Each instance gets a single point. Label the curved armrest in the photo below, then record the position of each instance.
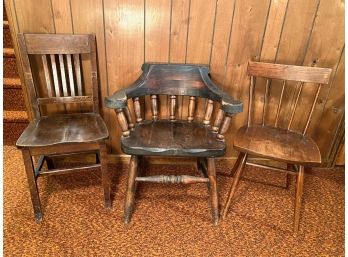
(117, 100)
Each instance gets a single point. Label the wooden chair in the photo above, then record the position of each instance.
(172, 136)
(48, 136)
(272, 141)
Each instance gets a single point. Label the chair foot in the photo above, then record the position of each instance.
(38, 217)
(213, 190)
(233, 187)
(130, 194)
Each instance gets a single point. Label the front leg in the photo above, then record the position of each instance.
(130, 194)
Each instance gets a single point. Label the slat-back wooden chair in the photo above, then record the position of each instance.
(272, 142)
(48, 136)
(172, 136)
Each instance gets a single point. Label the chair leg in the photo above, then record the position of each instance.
(236, 179)
(29, 169)
(236, 164)
(213, 190)
(130, 194)
(298, 198)
(105, 174)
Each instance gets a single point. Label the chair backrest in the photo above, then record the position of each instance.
(60, 55)
(175, 81)
(288, 74)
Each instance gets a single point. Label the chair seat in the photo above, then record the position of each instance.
(64, 129)
(276, 143)
(178, 138)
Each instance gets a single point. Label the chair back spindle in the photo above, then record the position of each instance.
(191, 108)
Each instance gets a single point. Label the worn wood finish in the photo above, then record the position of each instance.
(65, 133)
(174, 136)
(276, 143)
(129, 32)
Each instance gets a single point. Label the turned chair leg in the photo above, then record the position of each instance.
(29, 169)
(130, 194)
(103, 158)
(213, 190)
(298, 198)
(236, 179)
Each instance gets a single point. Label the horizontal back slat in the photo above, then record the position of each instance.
(289, 72)
(57, 44)
(65, 99)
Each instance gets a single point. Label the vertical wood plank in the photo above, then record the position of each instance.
(124, 39)
(200, 34)
(157, 33)
(62, 16)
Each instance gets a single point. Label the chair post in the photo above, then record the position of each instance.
(234, 184)
(298, 198)
(105, 174)
(130, 194)
(213, 190)
(29, 169)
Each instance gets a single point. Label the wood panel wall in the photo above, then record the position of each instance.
(224, 34)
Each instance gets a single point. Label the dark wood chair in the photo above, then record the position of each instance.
(48, 136)
(273, 142)
(172, 136)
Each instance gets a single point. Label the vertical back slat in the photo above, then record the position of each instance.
(78, 73)
(154, 107)
(279, 104)
(312, 109)
(62, 74)
(172, 108)
(191, 108)
(208, 111)
(71, 75)
(296, 101)
(251, 95)
(55, 75)
(137, 109)
(47, 75)
(94, 73)
(265, 98)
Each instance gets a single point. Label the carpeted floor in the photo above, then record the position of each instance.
(171, 220)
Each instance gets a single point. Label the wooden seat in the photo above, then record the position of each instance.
(59, 88)
(270, 140)
(282, 144)
(168, 138)
(172, 136)
(64, 129)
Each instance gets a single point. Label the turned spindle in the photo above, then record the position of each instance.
(128, 117)
(224, 127)
(137, 109)
(154, 107)
(208, 112)
(191, 108)
(123, 122)
(217, 123)
(172, 107)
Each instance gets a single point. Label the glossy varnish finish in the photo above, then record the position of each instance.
(174, 137)
(61, 134)
(273, 142)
